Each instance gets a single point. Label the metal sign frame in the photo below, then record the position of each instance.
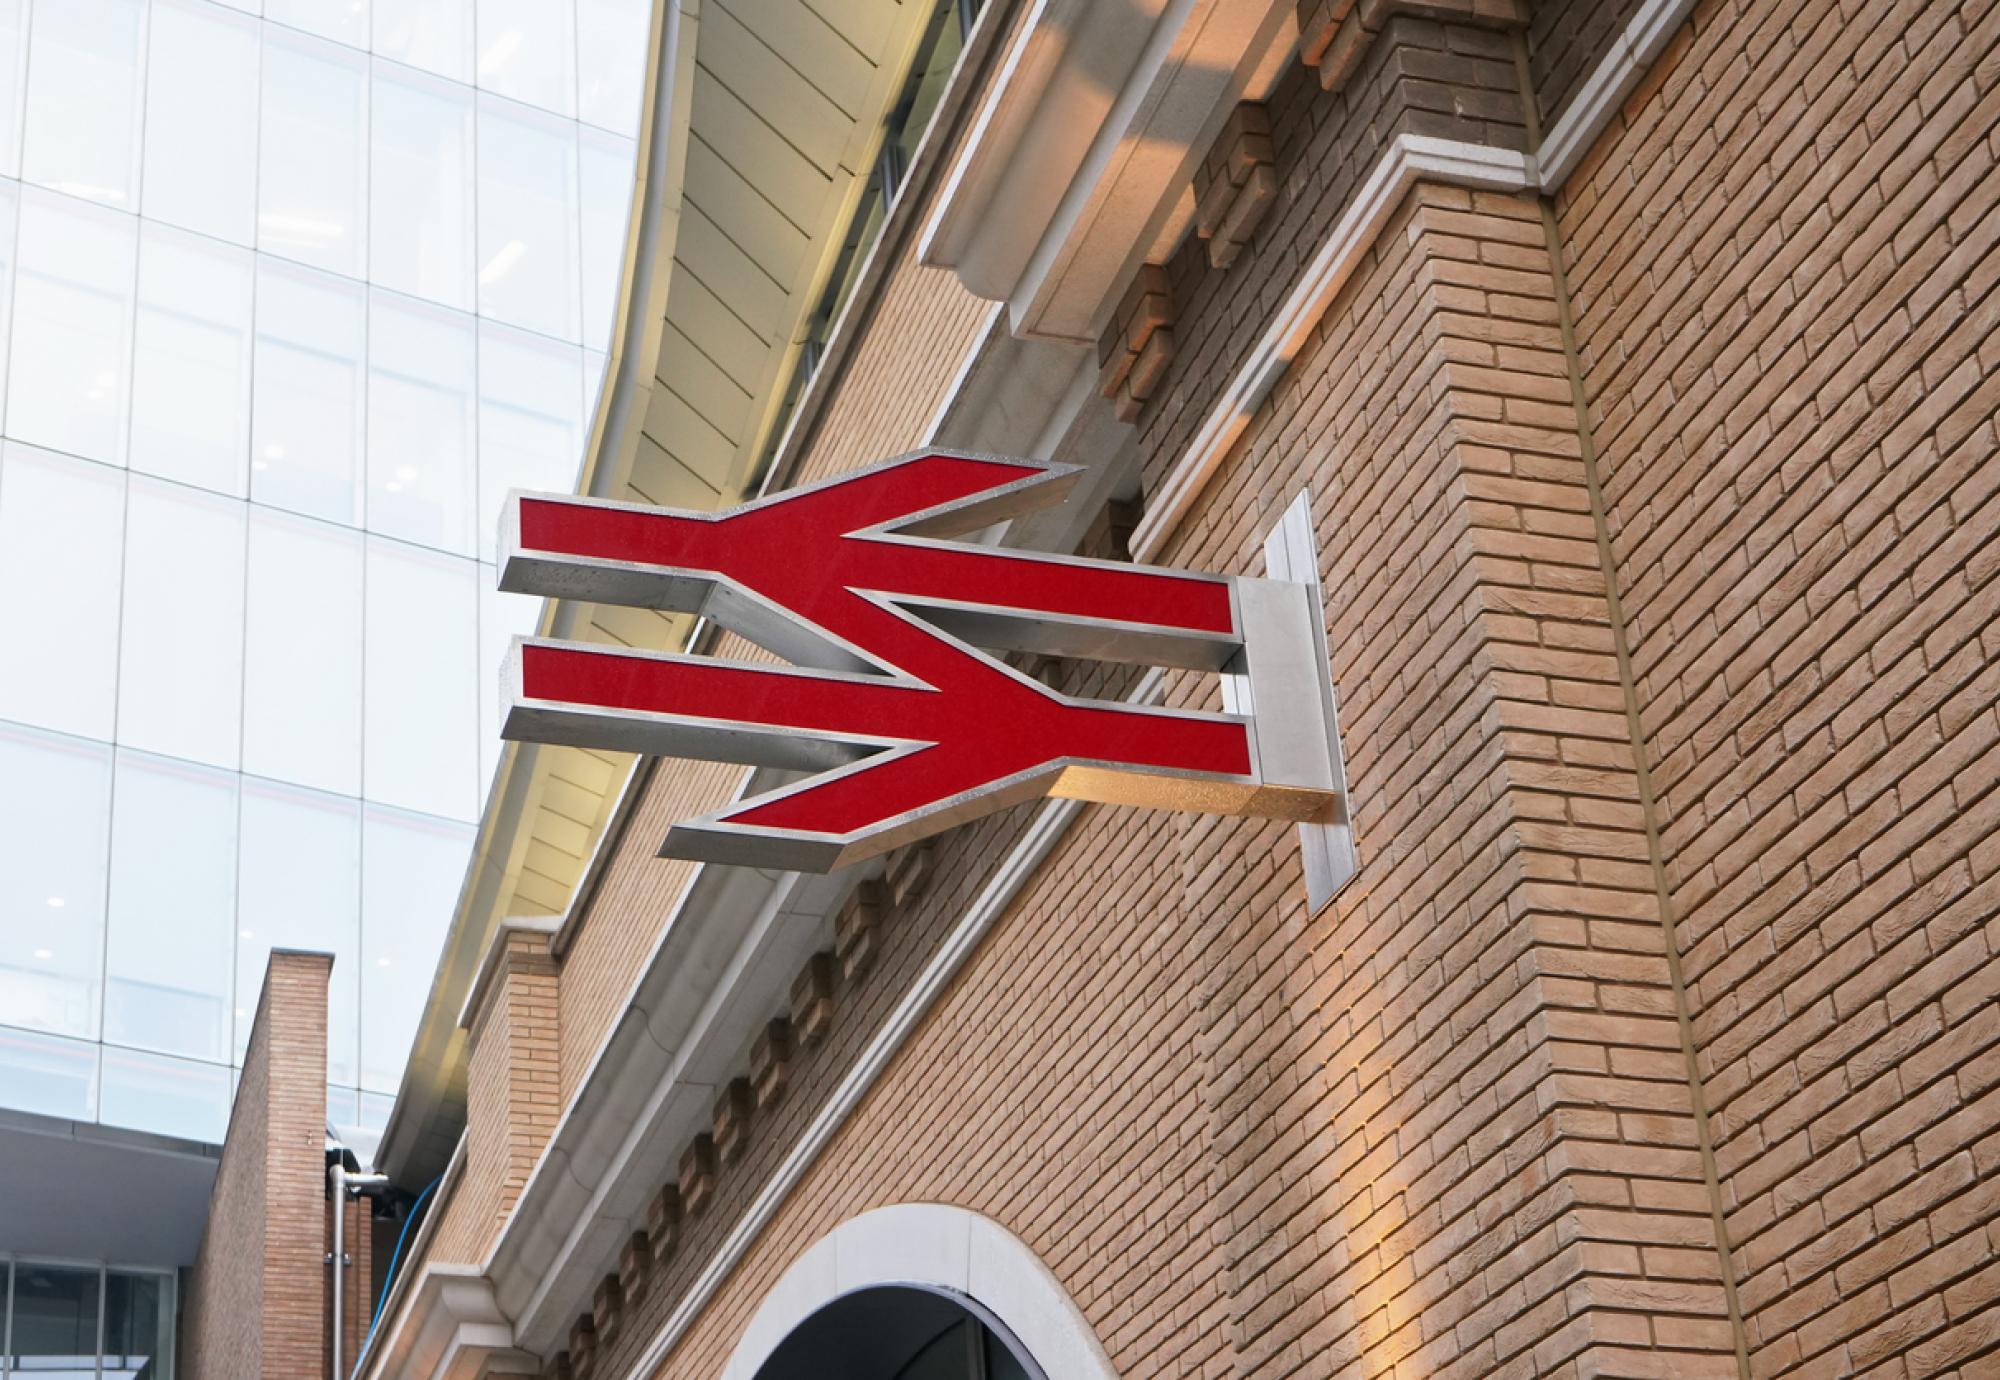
(907, 725)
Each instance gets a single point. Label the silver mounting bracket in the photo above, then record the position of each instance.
(1286, 681)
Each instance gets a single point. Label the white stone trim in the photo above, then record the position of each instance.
(1591, 109)
(1409, 158)
(939, 1248)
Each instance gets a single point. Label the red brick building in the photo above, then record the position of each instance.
(1637, 359)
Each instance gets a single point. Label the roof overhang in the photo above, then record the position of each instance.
(1081, 160)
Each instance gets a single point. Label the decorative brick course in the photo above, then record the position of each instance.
(1334, 34)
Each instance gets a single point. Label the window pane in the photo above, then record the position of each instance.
(374, 1111)
(343, 20)
(201, 120)
(48, 1074)
(313, 170)
(530, 426)
(299, 888)
(607, 202)
(302, 652)
(411, 868)
(170, 937)
(502, 618)
(191, 361)
(419, 742)
(527, 219)
(54, 822)
(527, 51)
(306, 427)
(83, 98)
(10, 215)
(435, 35)
(421, 197)
(167, 1096)
(422, 420)
(611, 39)
(72, 349)
(55, 1321)
(13, 77)
(139, 1323)
(62, 532)
(180, 661)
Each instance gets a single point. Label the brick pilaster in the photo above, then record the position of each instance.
(256, 1299)
(513, 1093)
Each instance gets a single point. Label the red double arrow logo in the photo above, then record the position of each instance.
(908, 728)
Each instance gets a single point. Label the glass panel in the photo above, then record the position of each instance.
(435, 35)
(374, 1111)
(527, 51)
(593, 383)
(13, 79)
(411, 868)
(170, 937)
(191, 361)
(422, 417)
(139, 1324)
(313, 169)
(502, 618)
(72, 348)
(55, 1321)
(343, 20)
(299, 888)
(342, 1105)
(55, 818)
(530, 431)
(302, 653)
(421, 196)
(611, 39)
(420, 749)
(169, 1097)
(180, 661)
(306, 423)
(527, 219)
(606, 180)
(48, 1074)
(10, 215)
(83, 98)
(201, 120)
(62, 531)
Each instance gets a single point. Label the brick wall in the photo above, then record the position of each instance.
(255, 1304)
(1446, 1125)
(1783, 262)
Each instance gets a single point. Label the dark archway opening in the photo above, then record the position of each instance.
(899, 1332)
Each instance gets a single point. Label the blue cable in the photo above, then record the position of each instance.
(389, 1279)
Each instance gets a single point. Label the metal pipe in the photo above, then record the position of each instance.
(337, 1175)
(342, 1183)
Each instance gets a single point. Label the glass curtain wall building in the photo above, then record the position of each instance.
(291, 294)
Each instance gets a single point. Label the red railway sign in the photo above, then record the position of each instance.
(907, 727)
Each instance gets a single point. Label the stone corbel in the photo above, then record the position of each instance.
(1138, 344)
(1236, 184)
